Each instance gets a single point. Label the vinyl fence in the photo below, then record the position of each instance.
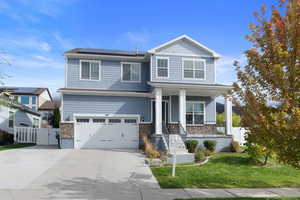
(39, 136)
(238, 133)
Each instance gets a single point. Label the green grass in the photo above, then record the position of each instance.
(15, 146)
(248, 198)
(229, 171)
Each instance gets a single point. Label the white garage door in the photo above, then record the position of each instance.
(106, 133)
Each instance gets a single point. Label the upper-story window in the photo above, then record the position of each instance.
(131, 72)
(162, 65)
(25, 100)
(193, 68)
(29, 101)
(89, 70)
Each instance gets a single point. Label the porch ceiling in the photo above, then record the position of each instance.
(192, 89)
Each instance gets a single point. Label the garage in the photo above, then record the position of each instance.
(106, 132)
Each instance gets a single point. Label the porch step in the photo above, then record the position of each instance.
(176, 144)
(181, 157)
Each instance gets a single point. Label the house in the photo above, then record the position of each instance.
(113, 97)
(14, 114)
(37, 99)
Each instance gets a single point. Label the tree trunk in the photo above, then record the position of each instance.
(267, 158)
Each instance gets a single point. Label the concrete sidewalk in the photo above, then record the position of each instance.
(115, 193)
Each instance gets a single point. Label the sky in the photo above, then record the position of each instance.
(35, 33)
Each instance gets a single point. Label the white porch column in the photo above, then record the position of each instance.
(228, 115)
(182, 108)
(158, 111)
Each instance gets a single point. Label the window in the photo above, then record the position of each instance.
(162, 65)
(36, 123)
(131, 72)
(130, 121)
(114, 121)
(80, 120)
(11, 119)
(90, 70)
(195, 113)
(99, 121)
(25, 100)
(194, 68)
(33, 100)
(33, 108)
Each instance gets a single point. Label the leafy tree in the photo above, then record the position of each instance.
(236, 119)
(268, 87)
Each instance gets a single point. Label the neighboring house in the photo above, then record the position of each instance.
(113, 97)
(13, 114)
(37, 99)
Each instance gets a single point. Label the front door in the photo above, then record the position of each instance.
(164, 113)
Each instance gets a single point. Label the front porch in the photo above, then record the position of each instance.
(189, 109)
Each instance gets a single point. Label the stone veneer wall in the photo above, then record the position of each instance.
(67, 130)
(206, 129)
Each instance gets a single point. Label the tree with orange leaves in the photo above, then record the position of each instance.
(268, 87)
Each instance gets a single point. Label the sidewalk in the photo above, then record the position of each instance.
(170, 194)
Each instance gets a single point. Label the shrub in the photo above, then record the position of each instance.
(199, 156)
(149, 149)
(6, 138)
(191, 145)
(236, 147)
(257, 152)
(210, 145)
(208, 153)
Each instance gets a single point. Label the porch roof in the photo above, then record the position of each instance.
(193, 89)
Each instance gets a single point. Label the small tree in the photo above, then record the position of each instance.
(236, 119)
(56, 118)
(268, 88)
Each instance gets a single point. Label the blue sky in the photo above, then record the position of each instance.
(35, 33)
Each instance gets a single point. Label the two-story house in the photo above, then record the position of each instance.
(112, 97)
(37, 99)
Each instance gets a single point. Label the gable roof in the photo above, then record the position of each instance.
(24, 90)
(215, 54)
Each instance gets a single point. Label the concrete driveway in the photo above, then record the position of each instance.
(45, 173)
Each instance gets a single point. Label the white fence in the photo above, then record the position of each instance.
(39, 136)
(238, 134)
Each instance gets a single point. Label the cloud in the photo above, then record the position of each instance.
(26, 43)
(33, 62)
(65, 43)
(137, 37)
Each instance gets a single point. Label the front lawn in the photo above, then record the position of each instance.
(229, 171)
(248, 198)
(14, 146)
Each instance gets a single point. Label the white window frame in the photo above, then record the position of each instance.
(35, 120)
(80, 70)
(204, 117)
(165, 58)
(130, 63)
(193, 59)
(14, 118)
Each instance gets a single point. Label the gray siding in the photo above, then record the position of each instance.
(110, 77)
(184, 47)
(210, 107)
(176, 70)
(105, 105)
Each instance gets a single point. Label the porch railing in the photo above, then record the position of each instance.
(165, 136)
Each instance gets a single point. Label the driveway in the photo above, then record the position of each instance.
(47, 173)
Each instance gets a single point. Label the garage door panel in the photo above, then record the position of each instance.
(115, 133)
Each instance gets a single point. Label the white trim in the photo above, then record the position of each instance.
(153, 50)
(156, 66)
(90, 61)
(215, 71)
(204, 110)
(66, 72)
(82, 91)
(140, 73)
(193, 59)
(151, 63)
(62, 108)
(92, 115)
(182, 85)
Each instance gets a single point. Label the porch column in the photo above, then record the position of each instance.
(228, 115)
(158, 111)
(182, 108)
